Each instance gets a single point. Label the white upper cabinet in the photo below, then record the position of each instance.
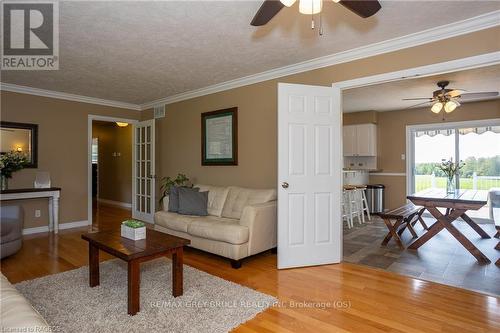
(360, 140)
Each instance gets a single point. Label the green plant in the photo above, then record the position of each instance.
(133, 224)
(168, 182)
(11, 162)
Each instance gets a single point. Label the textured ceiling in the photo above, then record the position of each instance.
(388, 96)
(137, 52)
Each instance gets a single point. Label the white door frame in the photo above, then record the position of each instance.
(91, 118)
(478, 61)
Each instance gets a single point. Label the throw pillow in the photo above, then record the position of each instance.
(192, 202)
(173, 198)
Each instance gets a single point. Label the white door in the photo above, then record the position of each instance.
(309, 175)
(143, 199)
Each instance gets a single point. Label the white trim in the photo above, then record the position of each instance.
(69, 97)
(487, 59)
(115, 203)
(90, 118)
(62, 226)
(397, 174)
(454, 29)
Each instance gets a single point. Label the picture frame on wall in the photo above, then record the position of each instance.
(219, 137)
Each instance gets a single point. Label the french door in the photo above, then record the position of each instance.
(143, 186)
(309, 175)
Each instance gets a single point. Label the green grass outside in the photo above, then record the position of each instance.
(424, 181)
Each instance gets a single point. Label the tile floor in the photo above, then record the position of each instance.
(442, 259)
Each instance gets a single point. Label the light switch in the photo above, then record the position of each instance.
(38, 213)
(403, 157)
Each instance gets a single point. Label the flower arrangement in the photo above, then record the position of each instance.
(450, 169)
(11, 162)
(133, 229)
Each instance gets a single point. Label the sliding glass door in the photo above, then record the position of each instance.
(476, 143)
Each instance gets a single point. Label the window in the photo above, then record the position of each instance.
(476, 143)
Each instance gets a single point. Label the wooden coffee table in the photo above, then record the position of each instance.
(156, 244)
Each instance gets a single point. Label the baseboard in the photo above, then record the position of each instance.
(115, 203)
(62, 226)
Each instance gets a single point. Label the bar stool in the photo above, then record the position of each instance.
(346, 214)
(361, 189)
(353, 204)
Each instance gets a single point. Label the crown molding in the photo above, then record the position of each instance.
(450, 30)
(69, 97)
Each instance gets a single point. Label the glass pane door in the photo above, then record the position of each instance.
(430, 148)
(144, 181)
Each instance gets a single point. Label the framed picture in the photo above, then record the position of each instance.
(20, 137)
(219, 137)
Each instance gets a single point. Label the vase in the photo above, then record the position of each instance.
(451, 185)
(4, 182)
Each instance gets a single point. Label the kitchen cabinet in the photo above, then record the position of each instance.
(360, 140)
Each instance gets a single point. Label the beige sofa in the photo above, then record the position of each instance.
(17, 314)
(241, 222)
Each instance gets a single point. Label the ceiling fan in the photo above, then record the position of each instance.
(363, 8)
(449, 99)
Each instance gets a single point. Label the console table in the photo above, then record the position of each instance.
(53, 193)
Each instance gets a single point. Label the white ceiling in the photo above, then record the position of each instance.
(137, 52)
(388, 96)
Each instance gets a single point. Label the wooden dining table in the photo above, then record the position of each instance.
(456, 205)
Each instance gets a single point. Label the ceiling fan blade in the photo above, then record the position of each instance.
(417, 99)
(412, 106)
(363, 8)
(455, 92)
(478, 95)
(266, 12)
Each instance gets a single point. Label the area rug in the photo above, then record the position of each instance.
(209, 303)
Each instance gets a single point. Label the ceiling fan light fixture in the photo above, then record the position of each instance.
(437, 107)
(288, 3)
(310, 7)
(451, 105)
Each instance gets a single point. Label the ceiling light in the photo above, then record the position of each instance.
(336, 1)
(310, 7)
(451, 105)
(436, 107)
(121, 124)
(288, 3)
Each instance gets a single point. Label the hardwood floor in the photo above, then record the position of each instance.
(361, 299)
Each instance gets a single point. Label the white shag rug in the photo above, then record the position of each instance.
(209, 303)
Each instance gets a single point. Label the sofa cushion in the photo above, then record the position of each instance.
(173, 200)
(17, 314)
(219, 229)
(192, 202)
(239, 197)
(173, 221)
(216, 197)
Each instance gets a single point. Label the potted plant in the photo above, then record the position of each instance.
(133, 229)
(11, 162)
(451, 170)
(168, 182)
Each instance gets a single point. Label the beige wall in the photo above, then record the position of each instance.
(391, 138)
(62, 149)
(179, 133)
(114, 172)
(63, 124)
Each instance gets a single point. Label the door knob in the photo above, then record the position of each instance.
(284, 185)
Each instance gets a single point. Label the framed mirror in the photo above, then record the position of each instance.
(20, 137)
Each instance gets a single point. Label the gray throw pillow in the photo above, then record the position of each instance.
(192, 202)
(173, 198)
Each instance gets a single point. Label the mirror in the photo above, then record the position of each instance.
(20, 137)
